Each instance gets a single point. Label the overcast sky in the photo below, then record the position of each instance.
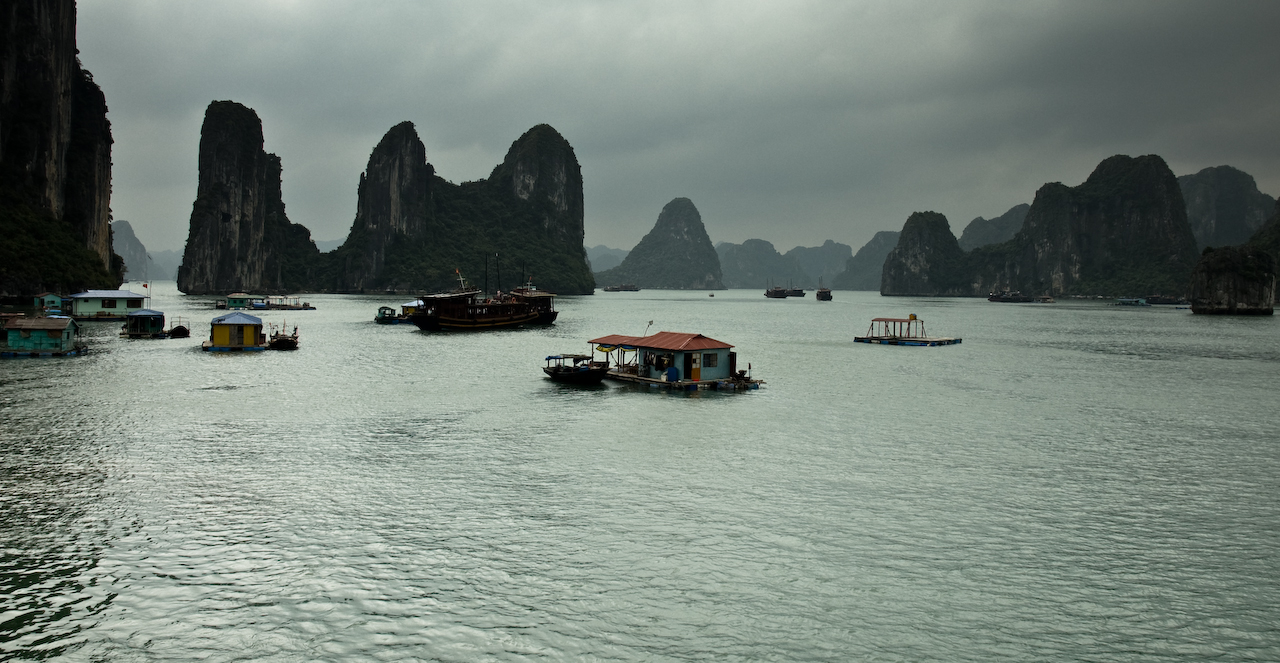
(793, 122)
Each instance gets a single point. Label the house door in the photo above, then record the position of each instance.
(695, 371)
(242, 334)
(688, 365)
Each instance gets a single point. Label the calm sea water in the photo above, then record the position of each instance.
(1074, 482)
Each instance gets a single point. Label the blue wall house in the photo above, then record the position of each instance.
(105, 304)
(36, 337)
(49, 301)
(675, 356)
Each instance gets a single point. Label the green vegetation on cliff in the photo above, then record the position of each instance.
(676, 254)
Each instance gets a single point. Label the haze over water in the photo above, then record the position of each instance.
(1075, 481)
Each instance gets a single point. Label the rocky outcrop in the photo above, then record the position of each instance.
(819, 264)
(55, 157)
(393, 203)
(1123, 232)
(603, 257)
(676, 255)
(1234, 280)
(756, 264)
(863, 270)
(240, 238)
(926, 261)
(413, 229)
(1239, 280)
(127, 245)
(1224, 206)
(981, 232)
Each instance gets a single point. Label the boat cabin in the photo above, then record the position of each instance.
(242, 300)
(144, 324)
(235, 332)
(105, 304)
(42, 336)
(672, 356)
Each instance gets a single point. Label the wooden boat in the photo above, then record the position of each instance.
(181, 328)
(282, 341)
(902, 331)
(1005, 296)
(466, 309)
(542, 301)
(795, 292)
(824, 293)
(575, 369)
(1132, 301)
(625, 287)
(777, 292)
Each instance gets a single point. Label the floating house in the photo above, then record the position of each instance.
(42, 337)
(235, 332)
(105, 304)
(144, 324)
(48, 301)
(674, 359)
(241, 300)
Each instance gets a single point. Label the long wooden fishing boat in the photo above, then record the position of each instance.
(575, 369)
(467, 309)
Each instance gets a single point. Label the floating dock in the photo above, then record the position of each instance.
(902, 331)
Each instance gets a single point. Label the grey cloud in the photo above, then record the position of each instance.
(792, 122)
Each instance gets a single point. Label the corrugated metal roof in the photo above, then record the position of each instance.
(107, 294)
(146, 313)
(237, 318)
(37, 323)
(665, 341)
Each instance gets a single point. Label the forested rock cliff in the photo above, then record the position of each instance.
(55, 157)
(981, 232)
(863, 270)
(1234, 280)
(130, 249)
(756, 264)
(1122, 232)
(676, 255)
(413, 229)
(926, 261)
(1239, 280)
(1224, 206)
(240, 238)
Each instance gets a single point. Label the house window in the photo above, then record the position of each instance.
(108, 303)
(710, 360)
(133, 303)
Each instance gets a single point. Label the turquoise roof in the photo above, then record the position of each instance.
(146, 313)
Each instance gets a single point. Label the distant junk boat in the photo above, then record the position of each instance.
(902, 331)
(625, 287)
(777, 292)
(824, 293)
(1007, 296)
